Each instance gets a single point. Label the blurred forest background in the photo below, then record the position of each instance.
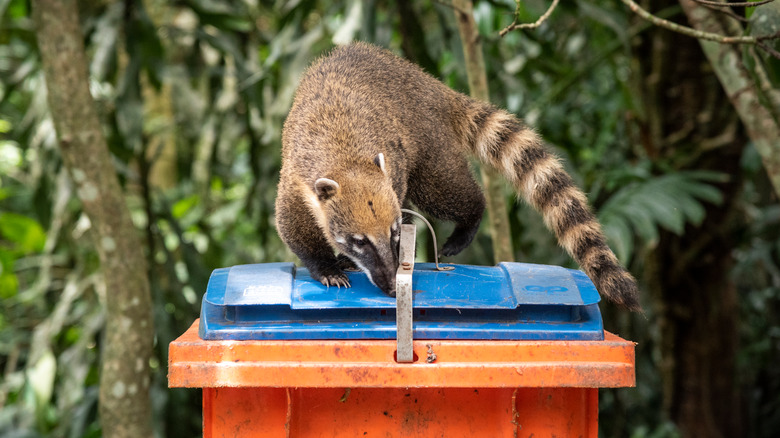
(191, 96)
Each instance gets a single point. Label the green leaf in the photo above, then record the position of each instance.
(705, 192)
(669, 202)
(26, 233)
(181, 207)
(16, 9)
(643, 224)
(664, 207)
(9, 284)
(221, 15)
(620, 237)
(40, 377)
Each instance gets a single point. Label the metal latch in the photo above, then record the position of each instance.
(403, 295)
(403, 287)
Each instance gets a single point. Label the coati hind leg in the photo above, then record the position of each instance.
(449, 192)
(299, 230)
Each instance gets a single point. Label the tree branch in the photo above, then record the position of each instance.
(533, 25)
(735, 4)
(702, 35)
(728, 12)
(768, 49)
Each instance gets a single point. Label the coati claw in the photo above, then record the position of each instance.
(337, 280)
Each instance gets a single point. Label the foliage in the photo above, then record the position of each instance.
(193, 96)
(759, 308)
(643, 207)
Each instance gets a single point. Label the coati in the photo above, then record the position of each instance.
(369, 132)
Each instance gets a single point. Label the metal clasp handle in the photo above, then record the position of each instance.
(403, 295)
(433, 236)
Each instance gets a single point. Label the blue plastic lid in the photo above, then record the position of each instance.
(508, 301)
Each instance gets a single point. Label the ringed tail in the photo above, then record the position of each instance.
(501, 140)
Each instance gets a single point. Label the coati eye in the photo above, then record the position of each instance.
(359, 240)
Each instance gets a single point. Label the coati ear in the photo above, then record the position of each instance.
(379, 160)
(325, 188)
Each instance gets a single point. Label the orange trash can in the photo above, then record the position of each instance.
(311, 362)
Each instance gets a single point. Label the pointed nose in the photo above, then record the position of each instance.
(385, 279)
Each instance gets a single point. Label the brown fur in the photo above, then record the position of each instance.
(361, 101)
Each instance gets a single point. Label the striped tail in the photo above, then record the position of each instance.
(502, 141)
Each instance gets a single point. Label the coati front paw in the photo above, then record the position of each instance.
(333, 277)
(336, 280)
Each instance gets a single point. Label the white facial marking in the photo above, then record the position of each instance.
(340, 239)
(363, 268)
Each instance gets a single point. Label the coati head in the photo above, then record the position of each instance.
(361, 217)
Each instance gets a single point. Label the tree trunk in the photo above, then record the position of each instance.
(494, 187)
(125, 409)
(160, 152)
(690, 124)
